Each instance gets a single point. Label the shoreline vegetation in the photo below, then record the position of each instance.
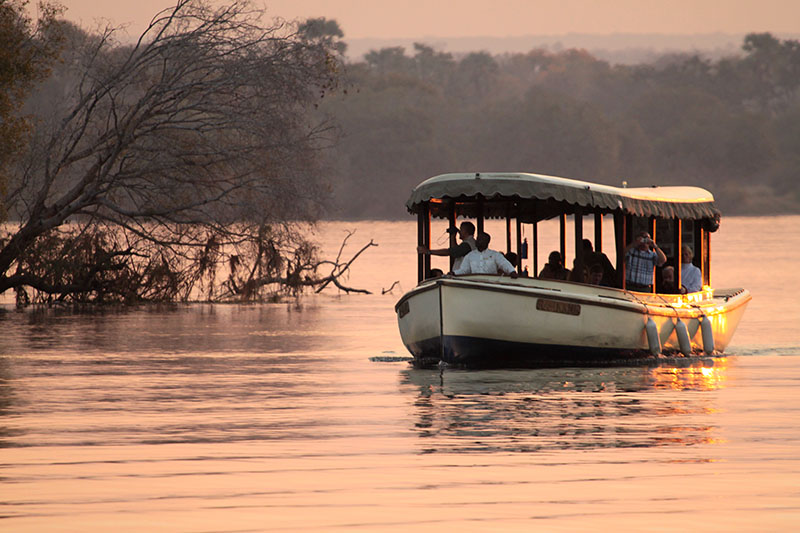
(138, 171)
(729, 124)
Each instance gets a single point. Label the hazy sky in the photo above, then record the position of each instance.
(499, 18)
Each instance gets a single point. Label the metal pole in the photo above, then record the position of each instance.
(653, 235)
(579, 276)
(508, 231)
(535, 254)
(421, 242)
(452, 217)
(678, 245)
(519, 244)
(598, 232)
(427, 237)
(480, 215)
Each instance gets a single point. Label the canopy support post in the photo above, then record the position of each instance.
(562, 219)
(479, 220)
(424, 240)
(535, 238)
(508, 231)
(519, 245)
(452, 218)
(579, 276)
(652, 226)
(706, 235)
(598, 231)
(678, 240)
(621, 227)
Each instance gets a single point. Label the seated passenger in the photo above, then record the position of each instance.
(691, 277)
(590, 258)
(596, 275)
(554, 269)
(435, 273)
(579, 274)
(668, 282)
(485, 261)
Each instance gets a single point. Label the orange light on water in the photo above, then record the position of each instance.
(706, 378)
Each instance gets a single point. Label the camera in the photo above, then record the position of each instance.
(452, 231)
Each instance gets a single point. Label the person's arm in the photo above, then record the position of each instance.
(463, 269)
(662, 257)
(438, 251)
(633, 244)
(504, 264)
(459, 250)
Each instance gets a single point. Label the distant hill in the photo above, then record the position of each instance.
(622, 48)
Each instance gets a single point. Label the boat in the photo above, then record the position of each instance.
(499, 321)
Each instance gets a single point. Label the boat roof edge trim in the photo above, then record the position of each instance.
(665, 202)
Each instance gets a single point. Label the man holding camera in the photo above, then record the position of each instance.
(641, 257)
(467, 234)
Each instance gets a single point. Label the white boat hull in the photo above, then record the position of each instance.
(494, 321)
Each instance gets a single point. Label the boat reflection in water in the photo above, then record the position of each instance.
(580, 408)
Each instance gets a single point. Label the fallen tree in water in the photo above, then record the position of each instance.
(81, 264)
(151, 165)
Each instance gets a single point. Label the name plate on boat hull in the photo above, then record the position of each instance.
(555, 306)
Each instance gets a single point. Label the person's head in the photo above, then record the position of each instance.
(596, 274)
(482, 241)
(436, 273)
(512, 258)
(467, 229)
(554, 259)
(668, 275)
(643, 240)
(686, 254)
(587, 245)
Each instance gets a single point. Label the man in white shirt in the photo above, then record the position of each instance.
(691, 277)
(485, 261)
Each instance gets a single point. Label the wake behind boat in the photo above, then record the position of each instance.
(490, 320)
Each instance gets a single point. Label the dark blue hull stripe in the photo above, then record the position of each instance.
(472, 352)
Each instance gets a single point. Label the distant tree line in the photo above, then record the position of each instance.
(730, 125)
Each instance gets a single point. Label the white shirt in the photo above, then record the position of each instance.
(691, 277)
(485, 262)
(458, 260)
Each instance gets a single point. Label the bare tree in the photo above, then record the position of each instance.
(188, 150)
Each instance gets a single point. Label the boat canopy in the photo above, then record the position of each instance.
(535, 197)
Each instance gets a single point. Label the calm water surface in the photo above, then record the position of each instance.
(299, 417)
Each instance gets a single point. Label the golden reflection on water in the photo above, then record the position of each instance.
(700, 377)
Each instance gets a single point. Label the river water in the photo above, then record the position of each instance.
(303, 416)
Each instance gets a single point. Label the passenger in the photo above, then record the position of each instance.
(591, 258)
(512, 258)
(554, 269)
(691, 277)
(459, 251)
(596, 274)
(668, 282)
(485, 261)
(579, 274)
(435, 273)
(641, 256)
